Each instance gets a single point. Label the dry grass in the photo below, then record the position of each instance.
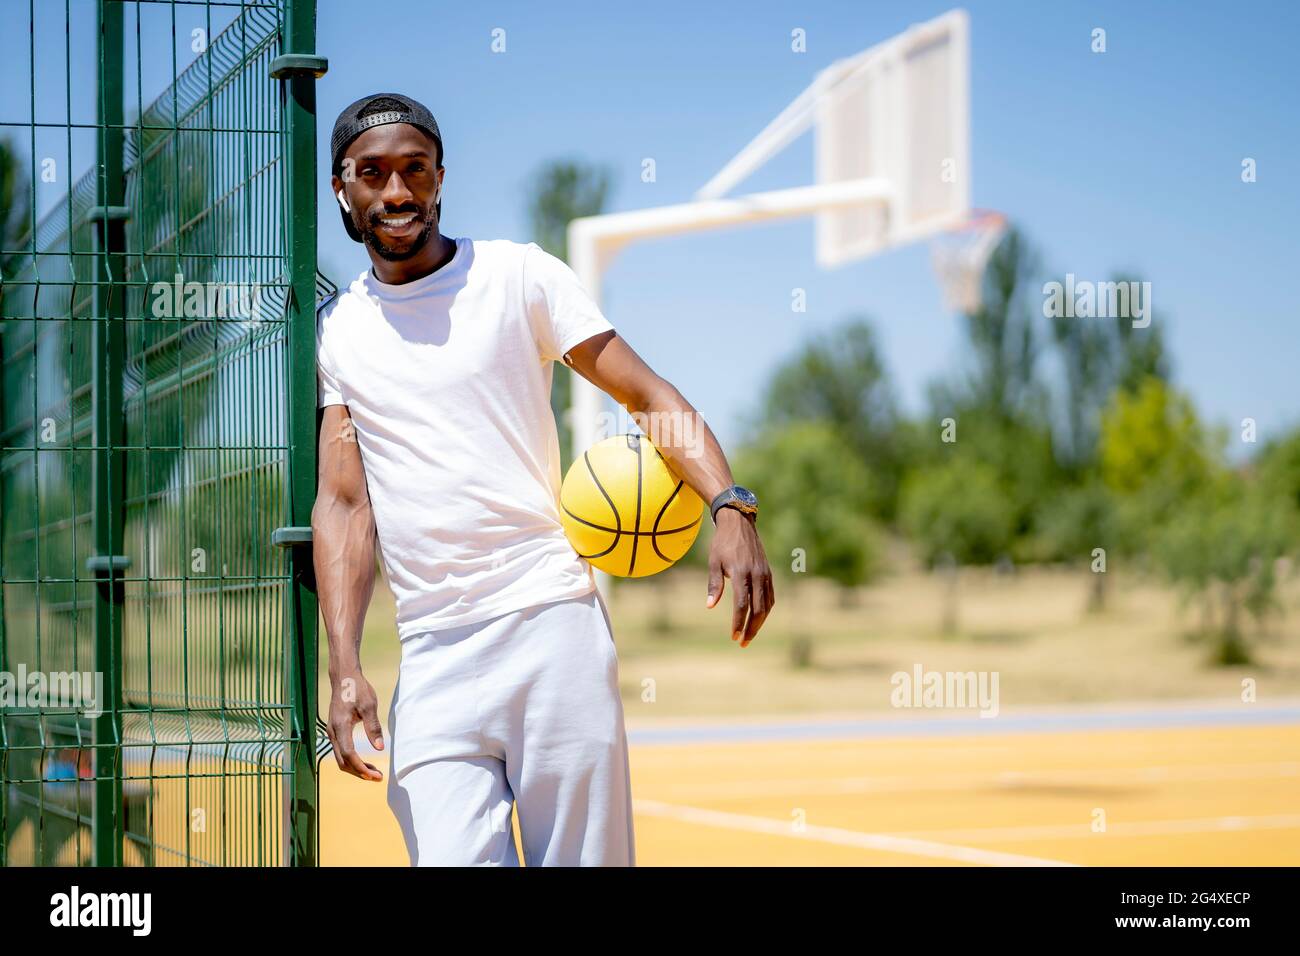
(677, 659)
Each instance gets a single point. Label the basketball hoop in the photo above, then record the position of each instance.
(959, 256)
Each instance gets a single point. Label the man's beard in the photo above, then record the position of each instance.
(371, 237)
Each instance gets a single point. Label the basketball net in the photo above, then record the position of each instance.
(960, 255)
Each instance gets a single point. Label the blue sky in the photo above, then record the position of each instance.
(1124, 160)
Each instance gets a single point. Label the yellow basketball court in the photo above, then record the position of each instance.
(1096, 787)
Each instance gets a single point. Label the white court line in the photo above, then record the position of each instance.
(1002, 779)
(836, 835)
(1074, 831)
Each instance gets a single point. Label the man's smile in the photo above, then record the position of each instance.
(399, 224)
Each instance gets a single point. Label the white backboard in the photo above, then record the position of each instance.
(899, 111)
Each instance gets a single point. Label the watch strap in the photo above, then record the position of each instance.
(725, 498)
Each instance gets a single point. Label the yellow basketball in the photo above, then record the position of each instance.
(626, 511)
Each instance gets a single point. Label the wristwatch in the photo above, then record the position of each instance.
(742, 499)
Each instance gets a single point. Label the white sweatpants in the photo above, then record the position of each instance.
(522, 709)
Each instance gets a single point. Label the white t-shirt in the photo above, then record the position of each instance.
(448, 383)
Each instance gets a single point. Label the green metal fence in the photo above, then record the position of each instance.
(157, 440)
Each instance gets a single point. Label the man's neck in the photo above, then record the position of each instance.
(399, 273)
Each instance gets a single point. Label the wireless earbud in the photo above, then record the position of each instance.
(343, 202)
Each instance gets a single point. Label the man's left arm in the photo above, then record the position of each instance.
(686, 441)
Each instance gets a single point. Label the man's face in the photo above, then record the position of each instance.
(392, 193)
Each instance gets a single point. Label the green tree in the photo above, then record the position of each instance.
(815, 515)
(1154, 456)
(1223, 549)
(839, 379)
(1001, 380)
(1018, 453)
(997, 403)
(1278, 465)
(957, 513)
(1141, 351)
(564, 190)
(15, 209)
(1098, 356)
(1077, 522)
(957, 509)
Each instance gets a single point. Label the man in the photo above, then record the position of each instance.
(437, 437)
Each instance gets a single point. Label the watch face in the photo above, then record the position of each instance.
(746, 496)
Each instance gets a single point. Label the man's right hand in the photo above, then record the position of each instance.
(353, 699)
(343, 556)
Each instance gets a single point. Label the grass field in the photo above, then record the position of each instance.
(1029, 627)
(1097, 755)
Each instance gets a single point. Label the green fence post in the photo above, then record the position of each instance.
(4, 632)
(298, 69)
(110, 436)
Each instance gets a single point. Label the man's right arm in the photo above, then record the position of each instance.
(343, 555)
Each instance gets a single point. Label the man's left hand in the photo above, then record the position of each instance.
(737, 553)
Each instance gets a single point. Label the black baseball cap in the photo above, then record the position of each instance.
(378, 109)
